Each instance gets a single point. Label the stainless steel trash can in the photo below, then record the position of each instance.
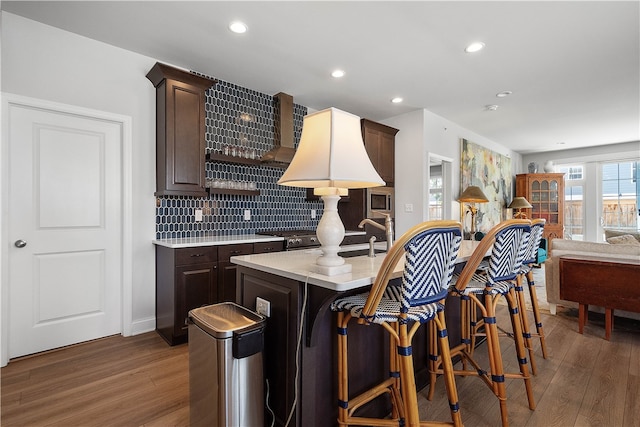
(225, 366)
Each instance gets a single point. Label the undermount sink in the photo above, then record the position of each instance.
(360, 252)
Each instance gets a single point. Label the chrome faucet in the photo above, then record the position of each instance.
(387, 227)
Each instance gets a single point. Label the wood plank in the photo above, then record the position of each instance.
(141, 381)
(604, 398)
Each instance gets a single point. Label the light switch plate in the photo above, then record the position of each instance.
(313, 214)
(408, 207)
(247, 215)
(198, 214)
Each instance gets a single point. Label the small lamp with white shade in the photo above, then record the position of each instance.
(331, 158)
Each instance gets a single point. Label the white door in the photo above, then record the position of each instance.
(64, 228)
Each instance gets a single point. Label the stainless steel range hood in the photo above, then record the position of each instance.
(283, 150)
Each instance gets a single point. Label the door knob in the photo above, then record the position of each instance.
(20, 243)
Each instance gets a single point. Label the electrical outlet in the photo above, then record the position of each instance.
(408, 207)
(198, 214)
(263, 307)
(313, 214)
(247, 215)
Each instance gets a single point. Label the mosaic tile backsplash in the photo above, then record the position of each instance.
(244, 119)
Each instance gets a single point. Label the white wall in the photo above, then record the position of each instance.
(423, 133)
(43, 62)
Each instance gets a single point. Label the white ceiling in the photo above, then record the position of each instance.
(573, 66)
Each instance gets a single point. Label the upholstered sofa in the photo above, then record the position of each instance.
(561, 247)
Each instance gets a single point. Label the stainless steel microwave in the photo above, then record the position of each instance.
(380, 200)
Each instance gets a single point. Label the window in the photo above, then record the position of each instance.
(572, 173)
(574, 181)
(620, 195)
(435, 198)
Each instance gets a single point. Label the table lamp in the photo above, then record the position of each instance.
(331, 158)
(520, 203)
(472, 195)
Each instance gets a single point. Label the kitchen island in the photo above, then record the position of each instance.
(300, 338)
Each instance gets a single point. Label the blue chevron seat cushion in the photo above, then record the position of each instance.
(478, 283)
(389, 308)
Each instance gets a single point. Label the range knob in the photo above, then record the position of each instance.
(295, 242)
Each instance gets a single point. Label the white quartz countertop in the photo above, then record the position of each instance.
(298, 265)
(191, 242)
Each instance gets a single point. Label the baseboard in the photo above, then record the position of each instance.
(142, 326)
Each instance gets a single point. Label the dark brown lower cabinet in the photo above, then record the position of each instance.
(186, 278)
(227, 274)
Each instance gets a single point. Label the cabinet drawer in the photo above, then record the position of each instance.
(199, 255)
(227, 251)
(264, 247)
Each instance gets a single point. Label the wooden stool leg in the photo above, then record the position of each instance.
(343, 374)
(536, 312)
(524, 320)
(434, 358)
(397, 410)
(495, 359)
(447, 367)
(407, 382)
(520, 350)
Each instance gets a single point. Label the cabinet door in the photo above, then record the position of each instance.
(280, 334)
(195, 287)
(180, 131)
(227, 275)
(373, 144)
(379, 140)
(386, 158)
(185, 145)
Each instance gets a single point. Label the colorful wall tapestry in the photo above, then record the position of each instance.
(491, 172)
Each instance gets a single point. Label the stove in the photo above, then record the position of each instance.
(295, 239)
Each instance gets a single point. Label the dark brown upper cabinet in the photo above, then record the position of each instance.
(180, 130)
(379, 141)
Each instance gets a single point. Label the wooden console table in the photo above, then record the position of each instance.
(604, 282)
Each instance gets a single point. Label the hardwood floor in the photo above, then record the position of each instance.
(141, 381)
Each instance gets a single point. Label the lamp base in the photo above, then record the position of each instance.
(330, 233)
(331, 270)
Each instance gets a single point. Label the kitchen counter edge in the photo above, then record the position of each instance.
(192, 242)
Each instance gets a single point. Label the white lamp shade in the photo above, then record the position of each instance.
(331, 153)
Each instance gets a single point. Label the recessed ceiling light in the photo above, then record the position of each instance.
(491, 107)
(504, 94)
(238, 27)
(474, 47)
(397, 100)
(337, 74)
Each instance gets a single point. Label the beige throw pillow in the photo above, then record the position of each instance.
(625, 239)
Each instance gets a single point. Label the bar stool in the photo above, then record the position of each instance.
(526, 272)
(506, 243)
(430, 250)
